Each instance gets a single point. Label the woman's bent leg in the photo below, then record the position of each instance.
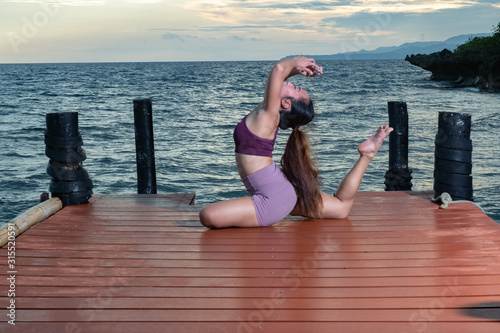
(238, 212)
(340, 205)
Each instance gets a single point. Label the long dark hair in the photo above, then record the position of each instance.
(297, 163)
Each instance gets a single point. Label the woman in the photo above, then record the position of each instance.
(275, 193)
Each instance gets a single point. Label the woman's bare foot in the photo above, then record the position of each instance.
(370, 147)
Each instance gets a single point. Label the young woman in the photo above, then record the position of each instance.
(293, 189)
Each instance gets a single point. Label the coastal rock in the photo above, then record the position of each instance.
(472, 69)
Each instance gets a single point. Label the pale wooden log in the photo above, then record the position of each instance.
(29, 218)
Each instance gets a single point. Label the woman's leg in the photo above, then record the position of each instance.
(238, 212)
(340, 205)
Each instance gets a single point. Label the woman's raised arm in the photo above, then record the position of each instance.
(282, 71)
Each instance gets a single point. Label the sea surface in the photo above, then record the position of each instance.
(195, 108)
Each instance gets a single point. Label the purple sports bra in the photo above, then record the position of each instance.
(250, 144)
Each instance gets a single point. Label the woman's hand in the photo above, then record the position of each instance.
(306, 67)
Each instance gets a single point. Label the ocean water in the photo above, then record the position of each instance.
(197, 104)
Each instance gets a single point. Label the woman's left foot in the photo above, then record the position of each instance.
(370, 147)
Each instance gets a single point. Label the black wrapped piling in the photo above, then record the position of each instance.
(453, 156)
(398, 177)
(70, 181)
(144, 144)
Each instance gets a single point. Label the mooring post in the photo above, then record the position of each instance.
(144, 145)
(398, 177)
(70, 181)
(453, 156)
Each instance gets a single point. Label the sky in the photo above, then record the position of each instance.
(34, 31)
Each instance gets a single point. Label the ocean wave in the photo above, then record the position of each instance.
(48, 93)
(8, 106)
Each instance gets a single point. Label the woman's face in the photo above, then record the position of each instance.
(289, 90)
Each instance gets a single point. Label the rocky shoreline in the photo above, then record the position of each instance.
(474, 68)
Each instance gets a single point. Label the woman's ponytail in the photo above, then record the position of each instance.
(300, 170)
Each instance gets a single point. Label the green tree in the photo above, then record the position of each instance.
(482, 45)
(496, 29)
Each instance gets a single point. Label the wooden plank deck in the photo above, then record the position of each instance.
(142, 263)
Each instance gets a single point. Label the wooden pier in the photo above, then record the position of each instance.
(143, 263)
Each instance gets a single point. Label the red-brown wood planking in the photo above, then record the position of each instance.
(144, 263)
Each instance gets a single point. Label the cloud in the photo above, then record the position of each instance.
(81, 2)
(171, 36)
(62, 2)
(316, 17)
(229, 10)
(143, 1)
(176, 37)
(320, 20)
(239, 28)
(236, 35)
(244, 39)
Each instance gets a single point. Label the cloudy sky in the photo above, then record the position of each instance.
(191, 30)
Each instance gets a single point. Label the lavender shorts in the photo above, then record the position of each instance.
(272, 194)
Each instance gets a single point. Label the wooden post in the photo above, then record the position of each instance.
(70, 181)
(453, 156)
(398, 177)
(144, 144)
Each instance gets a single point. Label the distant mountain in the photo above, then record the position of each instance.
(400, 52)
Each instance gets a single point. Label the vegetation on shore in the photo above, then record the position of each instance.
(488, 45)
(474, 63)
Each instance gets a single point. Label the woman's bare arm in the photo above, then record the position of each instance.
(281, 71)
